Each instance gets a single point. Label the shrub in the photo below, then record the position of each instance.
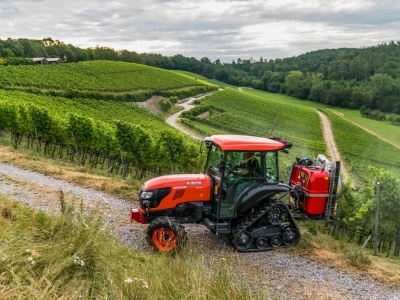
(173, 99)
(165, 105)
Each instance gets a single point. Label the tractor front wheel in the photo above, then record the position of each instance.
(166, 235)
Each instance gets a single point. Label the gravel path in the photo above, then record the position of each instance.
(186, 104)
(289, 276)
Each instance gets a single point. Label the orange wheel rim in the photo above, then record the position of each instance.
(164, 239)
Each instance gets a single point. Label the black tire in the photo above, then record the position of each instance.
(166, 235)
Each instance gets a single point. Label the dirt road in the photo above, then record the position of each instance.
(331, 148)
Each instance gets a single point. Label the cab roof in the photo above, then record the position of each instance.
(247, 143)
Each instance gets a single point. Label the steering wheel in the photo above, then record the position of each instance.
(233, 166)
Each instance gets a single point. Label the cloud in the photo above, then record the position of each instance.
(214, 28)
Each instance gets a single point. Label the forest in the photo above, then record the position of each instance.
(347, 77)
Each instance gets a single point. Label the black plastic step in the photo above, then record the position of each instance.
(209, 224)
(223, 228)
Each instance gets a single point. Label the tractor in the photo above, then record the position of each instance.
(239, 194)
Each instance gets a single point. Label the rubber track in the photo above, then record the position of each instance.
(255, 215)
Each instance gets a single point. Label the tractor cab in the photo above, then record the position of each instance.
(238, 169)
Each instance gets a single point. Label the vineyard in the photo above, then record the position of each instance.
(102, 80)
(236, 112)
(115, 136)
(361, 149)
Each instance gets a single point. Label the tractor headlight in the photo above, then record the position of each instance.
(146, 195)
(152, 198)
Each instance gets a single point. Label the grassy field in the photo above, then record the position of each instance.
(240, 113)
(73, 256)
(360, 149)
(385, 130)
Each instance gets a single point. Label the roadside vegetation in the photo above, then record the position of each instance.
(74, 256)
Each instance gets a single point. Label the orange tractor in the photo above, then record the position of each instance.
(239, 194)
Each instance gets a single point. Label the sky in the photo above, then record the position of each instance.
(217, 29)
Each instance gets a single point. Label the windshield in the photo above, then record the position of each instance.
(213, 163)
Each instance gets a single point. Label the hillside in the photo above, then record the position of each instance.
(345, 77)
(83, 139)
(102, 80)
(80, 126)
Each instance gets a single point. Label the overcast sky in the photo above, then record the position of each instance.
(206, 28)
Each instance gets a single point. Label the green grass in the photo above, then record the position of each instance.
(242, 113)
(73, 256)
(383, 129)
(361, 149)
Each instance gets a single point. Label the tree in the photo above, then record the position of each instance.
(365, 111)
(297, 85)
(382, 87)
(318, 90)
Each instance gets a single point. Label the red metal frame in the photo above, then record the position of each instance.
(137, 216)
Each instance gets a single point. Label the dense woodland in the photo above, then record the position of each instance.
(346, 77)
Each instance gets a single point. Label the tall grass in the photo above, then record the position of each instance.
(74, 256)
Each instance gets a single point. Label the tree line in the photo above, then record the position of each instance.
(345, 77)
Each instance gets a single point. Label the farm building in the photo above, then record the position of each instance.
(48, 61)
(55, 61)
(40, 60)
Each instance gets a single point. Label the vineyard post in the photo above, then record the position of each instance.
(336, 227)
(170, 157)
(397, 243)
(376, 217)
(76, 149)
(122, 162)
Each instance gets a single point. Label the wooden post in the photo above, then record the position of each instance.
(376, 218)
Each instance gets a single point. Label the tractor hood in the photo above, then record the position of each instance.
(179, 181)
(166, 192)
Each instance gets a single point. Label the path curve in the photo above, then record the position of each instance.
(187, 104)
(331, 148)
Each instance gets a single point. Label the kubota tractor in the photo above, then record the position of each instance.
(239, 194)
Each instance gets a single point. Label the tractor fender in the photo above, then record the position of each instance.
(255, 194)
